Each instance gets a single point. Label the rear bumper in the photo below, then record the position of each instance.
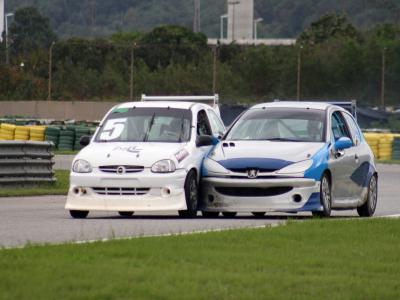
(136, 192)
(285, 195)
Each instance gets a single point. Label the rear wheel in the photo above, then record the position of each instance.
(229, 214)
(259, 214)
(325, 198)
(78, 214)
(191, 195)
(210, 214)
(368, 208)
(126, 213)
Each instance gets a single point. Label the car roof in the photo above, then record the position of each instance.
(294, 104)
(160, 104)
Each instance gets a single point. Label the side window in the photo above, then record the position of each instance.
(216, 124)
(203, 124)
(339, 128)
(355, 132)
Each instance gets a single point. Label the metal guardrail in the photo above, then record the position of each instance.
(26, 162)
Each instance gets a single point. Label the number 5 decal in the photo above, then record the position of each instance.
(113, 129)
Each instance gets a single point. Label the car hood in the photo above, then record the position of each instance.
(262, 154)
(139, 154)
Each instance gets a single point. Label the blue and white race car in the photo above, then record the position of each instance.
(291, 157)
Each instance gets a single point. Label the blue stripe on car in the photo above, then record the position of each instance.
(320, 164)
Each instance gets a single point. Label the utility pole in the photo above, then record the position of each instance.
(215, 54)
(299, 74)
(383, 78)
(7, 39)
(50, 71)
(233, 4)
(132, 71)
(196, 20)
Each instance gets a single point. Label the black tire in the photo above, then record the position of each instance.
(210, 214)
(229, 214)
(368, 208)
(126, 213)
(325, 198)
(78, 214)
(258, 214)
(191, 195)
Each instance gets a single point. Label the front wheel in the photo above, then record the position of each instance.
(368, 208)
(191, 195)
(325, 198)
(78, 214)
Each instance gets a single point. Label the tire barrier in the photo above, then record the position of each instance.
(386, 146)
(37, 133)
(26, 162)
(67, 138)
(7, 131)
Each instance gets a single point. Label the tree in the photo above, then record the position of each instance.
(328, 27)
(30, 31)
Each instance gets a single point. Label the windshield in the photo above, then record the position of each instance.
(168, 125)
(279, 124)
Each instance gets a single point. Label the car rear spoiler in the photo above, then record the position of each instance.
(350, 106)
(209, 100)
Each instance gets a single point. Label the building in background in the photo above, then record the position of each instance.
(240, 19)
(1, 19)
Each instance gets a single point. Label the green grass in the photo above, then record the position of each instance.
(66, 152)
(58, 188)
(390, 162)
(318, 259)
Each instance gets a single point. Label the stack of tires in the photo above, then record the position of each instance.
(373, 142)
(52, 134)
(37, 133)
(67, 138)
(7, 132)
(396, 148)
(385, 146)
(22, 133)
(80, 132)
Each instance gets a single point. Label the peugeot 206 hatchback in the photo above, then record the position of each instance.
(291, 157)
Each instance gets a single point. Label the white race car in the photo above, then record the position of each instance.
(145, 156)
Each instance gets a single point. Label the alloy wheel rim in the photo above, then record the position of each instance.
(373, 192)
(326, 193)
(193, 193)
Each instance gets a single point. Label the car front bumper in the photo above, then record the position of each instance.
(143, 191)
(275, 194)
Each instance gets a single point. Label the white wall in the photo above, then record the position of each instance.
(240, 19)
(1, 19)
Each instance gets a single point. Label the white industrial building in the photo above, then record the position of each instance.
(1, 19)
(240, 19)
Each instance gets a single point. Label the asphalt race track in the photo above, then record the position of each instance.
(44, 220)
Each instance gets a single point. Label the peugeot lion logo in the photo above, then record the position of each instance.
(121, 170)
(253, 173)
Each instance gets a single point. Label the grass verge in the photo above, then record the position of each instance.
(389, 162)
(58, 188)
(318, 259)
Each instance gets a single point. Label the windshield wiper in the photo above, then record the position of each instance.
(182, 127)
(146, 136)
(283, 140)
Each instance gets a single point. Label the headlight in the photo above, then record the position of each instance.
(297, 168)
(82, 166)
(212, 167)
(163, 166)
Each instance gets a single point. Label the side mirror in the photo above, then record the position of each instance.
(84, 140)
(343, 143)
(204, 140)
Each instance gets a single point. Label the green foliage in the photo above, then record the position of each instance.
(30, 31)
(330, 26)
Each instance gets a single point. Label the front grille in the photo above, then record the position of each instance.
(127, 169)
(245, 170)
(253, 191)
(116, 191)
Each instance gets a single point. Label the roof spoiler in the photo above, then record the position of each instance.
(210, 100)
(350, 106)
